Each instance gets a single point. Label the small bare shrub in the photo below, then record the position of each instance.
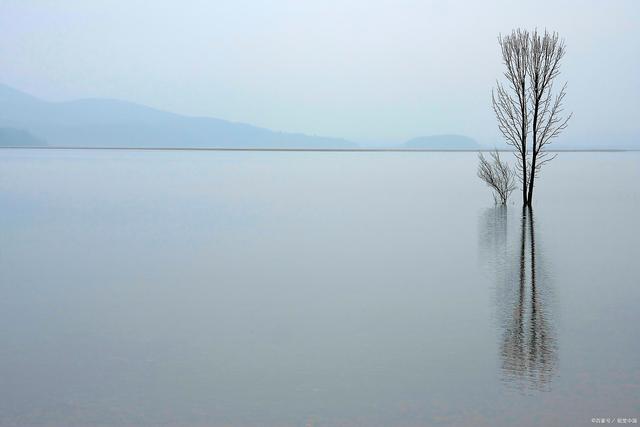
(497, 175)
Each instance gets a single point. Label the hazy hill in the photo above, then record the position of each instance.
(443, 142)
(10, 137)
(112, 123)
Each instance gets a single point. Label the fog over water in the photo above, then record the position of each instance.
(286, 289)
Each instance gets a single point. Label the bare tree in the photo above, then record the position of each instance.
(510, 101)
(497, 175)
(543, 66)
(528, 103)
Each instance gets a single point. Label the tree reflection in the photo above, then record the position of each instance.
(528, 345)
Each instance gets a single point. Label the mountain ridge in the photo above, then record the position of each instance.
(110, 122)
(114, 123)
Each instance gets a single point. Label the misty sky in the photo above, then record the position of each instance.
(366, 70)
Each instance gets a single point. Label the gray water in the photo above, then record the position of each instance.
(314, 289)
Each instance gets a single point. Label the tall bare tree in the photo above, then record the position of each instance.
(528, 103)
(543, 66)
(510, 101)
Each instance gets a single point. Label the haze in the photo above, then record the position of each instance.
(377, 72)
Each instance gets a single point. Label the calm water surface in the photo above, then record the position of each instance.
(314, 289)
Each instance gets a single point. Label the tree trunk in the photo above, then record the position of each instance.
(525, 194)
(531, 182)
(523, 112)
(534, 148)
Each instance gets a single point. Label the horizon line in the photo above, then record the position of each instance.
(349, 150)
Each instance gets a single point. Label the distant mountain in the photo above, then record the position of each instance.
(443, 142)
(112, 123)
(10, 137)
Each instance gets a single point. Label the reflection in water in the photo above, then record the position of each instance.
(528, 346)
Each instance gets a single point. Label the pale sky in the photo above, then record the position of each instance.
(366, 70)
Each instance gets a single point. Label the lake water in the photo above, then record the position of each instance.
(314, 289)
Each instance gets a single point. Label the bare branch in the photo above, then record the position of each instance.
(548, 122)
